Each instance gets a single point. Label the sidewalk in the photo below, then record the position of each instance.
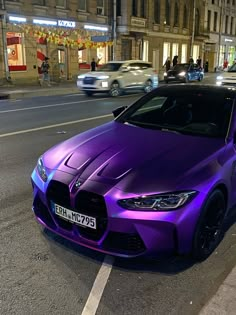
(224, 301)
(18, 92)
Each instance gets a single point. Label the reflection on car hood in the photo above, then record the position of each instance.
(133, 159)
(96, 74)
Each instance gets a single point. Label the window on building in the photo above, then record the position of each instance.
(213, 1)
(61, 3)
(102, 55)
(166, 52)
(100, 7)
(197, 22)
(143, 8)
(175, 50)
(118, 7)
(145, 50)
(157, 11)
(228, 1)
(82, 56)
(16, 51)
(82, 5)
(134, 8)
(184, 53)
(167, 12)
(176, 16)
(185, 17)
(39, 2)
(126, 51)
(231, 25)
(233, 2)
(226, 23)
(215, 21)
(209, 20)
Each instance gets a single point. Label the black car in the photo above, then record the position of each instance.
(184, 72)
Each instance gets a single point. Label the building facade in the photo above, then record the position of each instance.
(73, 32)
(70, 33)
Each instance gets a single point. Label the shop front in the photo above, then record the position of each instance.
(68, 44)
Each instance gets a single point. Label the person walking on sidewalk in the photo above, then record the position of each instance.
(45, 72)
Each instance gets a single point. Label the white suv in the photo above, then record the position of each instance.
(116, 77)
(227, 77)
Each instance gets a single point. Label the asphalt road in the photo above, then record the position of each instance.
(42, 273)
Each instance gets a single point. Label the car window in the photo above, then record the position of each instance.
(134, 66)
(194, 113)
(180, 67)
(111, 66)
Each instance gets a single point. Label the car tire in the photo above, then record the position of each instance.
(200, 78)
(148, 86)
(115, 89)
(186, 78)
(88, 93)
(209, 228)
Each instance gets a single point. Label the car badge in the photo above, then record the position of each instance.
(78, 183)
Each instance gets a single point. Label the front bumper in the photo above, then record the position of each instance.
(120, 232)
(98, 86)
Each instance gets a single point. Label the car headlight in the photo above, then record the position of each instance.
(81, 77)
(219, 77)
(165, 202)
(41, 170)
(165, 74)
(103, 77)
(182, 73)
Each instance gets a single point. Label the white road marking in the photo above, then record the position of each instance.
(70, 95)
(51, 105)
(53, 126)
(100, 282)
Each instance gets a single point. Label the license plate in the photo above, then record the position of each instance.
(171, 77)
(74, 217)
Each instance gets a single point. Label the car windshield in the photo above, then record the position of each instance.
(232, 68)
(111, 66)
(180, 67)
(192, 113)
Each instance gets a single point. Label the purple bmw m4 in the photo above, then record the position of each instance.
(160, 178)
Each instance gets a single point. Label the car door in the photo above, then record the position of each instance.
(131, 77)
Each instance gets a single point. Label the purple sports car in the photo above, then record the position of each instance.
(160, 178)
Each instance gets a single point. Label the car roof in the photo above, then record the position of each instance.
(198, 88)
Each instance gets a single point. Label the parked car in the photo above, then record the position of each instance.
(227, 77)
(159, 178)
(116, 77)
(184, 72)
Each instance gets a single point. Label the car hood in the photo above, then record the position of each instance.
(134, 159)
(96, 74)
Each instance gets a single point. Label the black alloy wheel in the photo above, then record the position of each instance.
(115, 89)
(148, 86)
(209, 230)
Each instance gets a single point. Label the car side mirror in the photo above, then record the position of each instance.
(118, 111)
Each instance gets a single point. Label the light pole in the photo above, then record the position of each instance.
(114, 30)
(193, 29)
(4, 40)
(220, 30)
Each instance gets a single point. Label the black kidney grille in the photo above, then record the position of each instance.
(92, 205)
(59, 193)
(42, 212)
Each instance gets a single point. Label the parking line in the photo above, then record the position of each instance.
(53, 126)
(100, 282)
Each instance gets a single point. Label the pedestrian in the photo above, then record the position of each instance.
(167, 64)
(45, 72)
(199, 61)
(225, 64)
(191, 60)
(175, 60)
(206, 66)
(93, 65)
